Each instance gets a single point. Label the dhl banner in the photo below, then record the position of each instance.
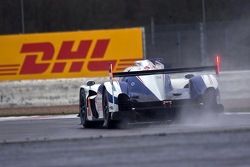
(68, 54)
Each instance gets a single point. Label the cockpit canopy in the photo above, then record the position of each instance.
(142, 65)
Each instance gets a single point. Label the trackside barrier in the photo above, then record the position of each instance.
(234, 87)
(68, 54)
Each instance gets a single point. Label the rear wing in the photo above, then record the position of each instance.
(162, 71)
(215, 67)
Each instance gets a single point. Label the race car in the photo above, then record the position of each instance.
(146, 91)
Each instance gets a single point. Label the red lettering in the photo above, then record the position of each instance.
(30, 66)
(100, 48)
(67, 53)
(76, 66)
(101, 65)
(58, 67)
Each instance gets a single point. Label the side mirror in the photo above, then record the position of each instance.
(189, 76)
(90, 83)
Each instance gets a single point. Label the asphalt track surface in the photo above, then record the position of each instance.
(221, 140)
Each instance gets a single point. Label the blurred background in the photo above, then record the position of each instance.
(182, 32)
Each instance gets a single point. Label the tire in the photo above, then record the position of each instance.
(108, 123)
(210, 100)
(83, 110)
(105, 108)
(127, 115)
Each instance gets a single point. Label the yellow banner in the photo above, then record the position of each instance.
(68, 54)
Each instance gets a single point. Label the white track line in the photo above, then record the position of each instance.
(236, 113)
(45, 117)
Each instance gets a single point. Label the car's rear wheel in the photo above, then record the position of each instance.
(209, 100)
(83, 110)
(108, 123)
(105, 108)
(125, 109)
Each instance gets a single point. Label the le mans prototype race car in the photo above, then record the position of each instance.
(145, 91)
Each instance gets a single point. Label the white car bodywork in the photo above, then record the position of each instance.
(178, 88)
